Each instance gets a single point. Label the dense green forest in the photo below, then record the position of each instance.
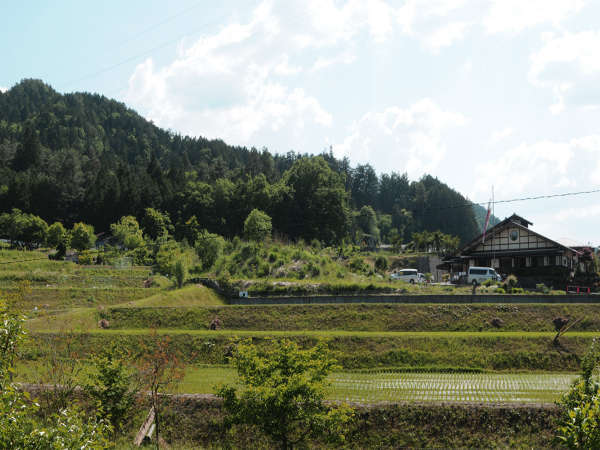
(83, 157)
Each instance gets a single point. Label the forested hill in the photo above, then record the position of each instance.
(83, 157)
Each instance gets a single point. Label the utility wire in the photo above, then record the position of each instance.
(147, 52)
(513, 200)
(158, 24)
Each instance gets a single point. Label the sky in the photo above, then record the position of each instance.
(479, 93)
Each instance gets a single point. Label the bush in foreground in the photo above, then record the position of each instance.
(580, 424)
(284, 394)
(20, 426)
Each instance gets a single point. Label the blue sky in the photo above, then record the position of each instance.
(475, 92)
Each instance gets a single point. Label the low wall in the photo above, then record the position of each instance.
(482, 298)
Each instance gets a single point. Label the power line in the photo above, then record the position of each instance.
(513, 200)
(147, 52)
(158, 24)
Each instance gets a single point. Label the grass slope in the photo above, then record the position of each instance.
(358, 317)
(508, 351)
(86, 319)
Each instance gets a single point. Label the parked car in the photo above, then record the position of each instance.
(411, 276)
(477, 275)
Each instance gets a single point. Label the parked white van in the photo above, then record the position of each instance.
(409, 276)
(477, 275)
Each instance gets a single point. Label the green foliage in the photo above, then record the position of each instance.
(82, 236)
(580, 424)
(257, 226)
(128, 233)
(156, 224)
(85, 258)
(25, 228)
(381, 264)
(57, 235)
(209, 248)
(28, 151)
(20, 426)
(366, 219)
(541, 287)
(358, 265)
(510, 283)
(319, 204)
(435, 241)
(284, 394)
(180, 272)
(111, 385)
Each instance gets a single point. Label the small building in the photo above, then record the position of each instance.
(512, 247)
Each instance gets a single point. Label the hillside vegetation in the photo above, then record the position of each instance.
(82, 157)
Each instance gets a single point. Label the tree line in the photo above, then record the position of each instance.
(84, 158)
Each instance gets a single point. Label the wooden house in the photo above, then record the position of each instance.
(512, 247)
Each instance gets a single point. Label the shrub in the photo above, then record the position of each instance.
(181, 272)
(128, 233)
(111, 386)
(57, 235)
(357, 265)
(541, 287)
(510, 282)
(85, 258)
(381, 264)
(209, 247)
(257, 226)
(82, 236)
(263, 269)
(283, 394)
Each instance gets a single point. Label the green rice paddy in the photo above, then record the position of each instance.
(413, 387)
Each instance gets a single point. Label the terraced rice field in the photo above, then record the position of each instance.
(414, 387)
(485, 388)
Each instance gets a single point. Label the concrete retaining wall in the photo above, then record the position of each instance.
(416, 299)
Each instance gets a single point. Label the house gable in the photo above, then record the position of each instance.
(513, 236)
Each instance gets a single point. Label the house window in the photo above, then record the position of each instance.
(514, 235)
(528, 261)
(546, 260)
(558, 261)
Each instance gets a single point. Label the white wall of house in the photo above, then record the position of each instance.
(514, 238)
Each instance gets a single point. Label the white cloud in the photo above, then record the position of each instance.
(409, 139)
(234, 85)
(500, 135)
(3, 89)
(514, 16)
(446, 35)
(327, 22)
(321, 63)
(569, 66)
(542, 167)
(568, 214)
